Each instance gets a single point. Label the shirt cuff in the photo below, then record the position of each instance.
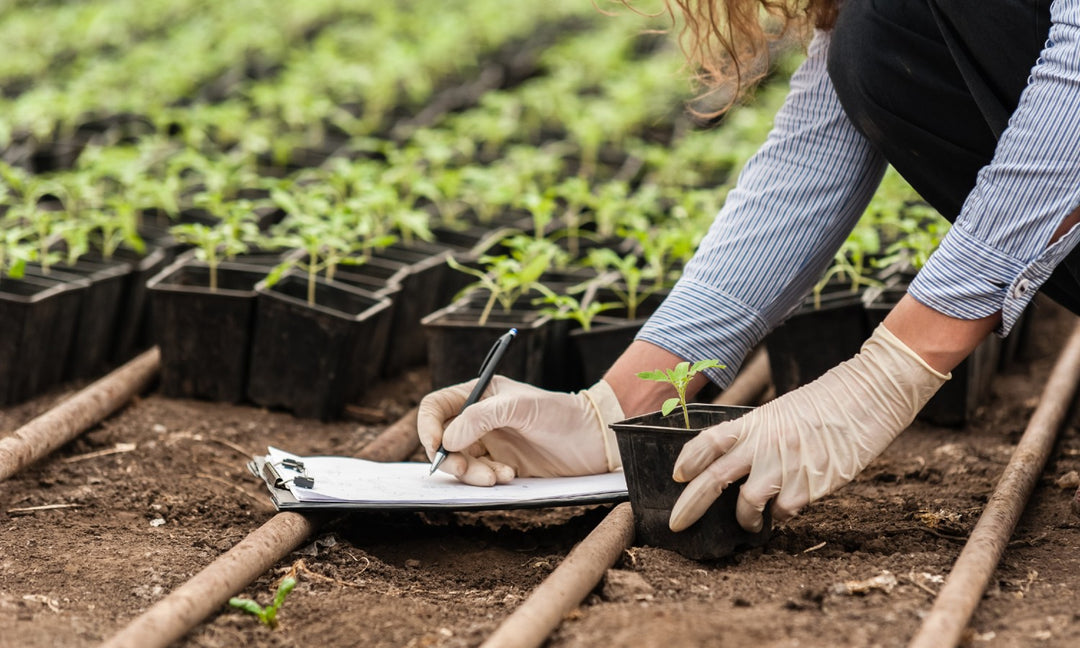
(968, 279)
(697, 322)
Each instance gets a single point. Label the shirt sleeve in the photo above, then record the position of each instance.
(794, 203)
(996, 256)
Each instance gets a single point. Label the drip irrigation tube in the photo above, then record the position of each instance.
(971, 573)
(173, 616)
(71, 418)
(563, 589)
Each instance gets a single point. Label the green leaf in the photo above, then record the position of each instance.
(669, 405)
(679, 373)
(247, 605)
(280, 269)
(283, 590)
(705, 364)
(657, 375)
(17, 269)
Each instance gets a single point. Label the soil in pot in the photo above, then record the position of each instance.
(457, 343)
(204, 336)
(816, 338)
(649, 445)
(314, 359)
(37, 318)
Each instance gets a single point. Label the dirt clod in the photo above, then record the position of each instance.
(621, 586)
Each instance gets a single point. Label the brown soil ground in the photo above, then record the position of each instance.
(143, 521)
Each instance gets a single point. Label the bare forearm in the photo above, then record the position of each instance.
(942, 341)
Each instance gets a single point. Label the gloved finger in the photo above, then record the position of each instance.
(708, 446)
(754, 495)
(478, 472)
(436, 409)
(455, 464)
(788, 503)
(477, 420)
(703, 490)
(504, 473)
(476, 450)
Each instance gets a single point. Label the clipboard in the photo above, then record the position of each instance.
(346, 483)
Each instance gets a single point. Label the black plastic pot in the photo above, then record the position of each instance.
(133, 322)
(649, 445)
(958, 399)
(204, 336)
(593, 352)
(457, 344)
(423, 290)
(313, 360)
(375, 275)
(99, 314)
(37, 324)
(816, 338)
(473, 238)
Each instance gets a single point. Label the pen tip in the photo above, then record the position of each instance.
(513, 331)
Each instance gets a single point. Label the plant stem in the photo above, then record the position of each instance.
(211, 263)
(682, 401)
(487, 309)
(312, 269)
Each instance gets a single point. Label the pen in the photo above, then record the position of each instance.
(487, 370)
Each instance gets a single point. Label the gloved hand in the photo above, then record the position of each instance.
(810, 441)
(518, 429)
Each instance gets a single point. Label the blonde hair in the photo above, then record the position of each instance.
(727, 41)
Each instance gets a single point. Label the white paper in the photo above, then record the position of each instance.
(358, 483)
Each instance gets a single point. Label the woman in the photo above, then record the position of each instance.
(977, 106)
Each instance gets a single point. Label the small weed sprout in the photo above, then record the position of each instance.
(679, 377)
(266, 615)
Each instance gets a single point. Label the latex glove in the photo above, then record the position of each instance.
(810, 441)
(518, 429)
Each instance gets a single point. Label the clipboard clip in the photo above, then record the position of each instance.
(303, 480)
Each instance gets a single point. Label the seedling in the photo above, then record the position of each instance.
(679, 377)
(506, 278)
(631, 290)
(577, 196)
(541, 207)
(266, 615)
(327, 242)
(232, 236)
(115, 227)
(583, 311)
(852, 261)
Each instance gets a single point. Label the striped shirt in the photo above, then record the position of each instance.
(800, 195)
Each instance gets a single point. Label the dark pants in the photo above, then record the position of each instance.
(932, 84)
